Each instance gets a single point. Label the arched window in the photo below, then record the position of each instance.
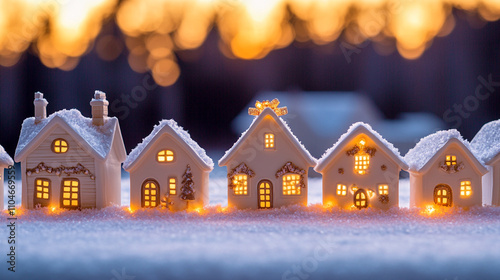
(443, 195)
(60, 146)
(150, 193)
(165, 156)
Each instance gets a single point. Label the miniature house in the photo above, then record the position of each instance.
(268, 166)
(361, 170)
(68, 160)
(168, 168)
(486, 145)
(5, 162)
(444, 172)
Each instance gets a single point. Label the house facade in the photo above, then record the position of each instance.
(361, 170)
(486, 145)
(168, 168)
(5, 162)
(68, 160)
(444, 172)
(267, 167)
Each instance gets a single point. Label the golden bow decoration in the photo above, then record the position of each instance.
(273, 104)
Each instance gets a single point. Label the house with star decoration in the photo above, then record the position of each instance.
(267, 167)
(68, 160)
(361, 170)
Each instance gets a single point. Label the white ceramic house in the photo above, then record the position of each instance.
(444, 172)
(68, 160)
(486, 145)
(168, 167)
(5, 162)
(361, 170)
(267, 167)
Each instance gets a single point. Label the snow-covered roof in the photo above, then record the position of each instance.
(486, 143)
(98, 138)
(5, 159)
(427, 147)
(353, 131)
(269, 112)
(179, 132)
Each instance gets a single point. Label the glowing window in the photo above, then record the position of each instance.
(60, 146)
(269, 141)
(42, 192)
(71, 193)
(383, 189)
(165, 156)
(360, 199)
(442, 195)
(265, 195)
(465, 189)
(291, 184)
(150, 194)
(240, 183)
(172, 186)
(361, 163)
(451, 160)
(341, 190)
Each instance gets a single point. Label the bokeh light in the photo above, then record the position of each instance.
(60, 32)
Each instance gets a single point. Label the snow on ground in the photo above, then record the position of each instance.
(290, 243)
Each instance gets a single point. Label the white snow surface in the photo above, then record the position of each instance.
(98, 137)
(285, 125)
(428, 146)
(386, 143)
(183, 134)
(294, 242)
(5, 159)
(486, 143)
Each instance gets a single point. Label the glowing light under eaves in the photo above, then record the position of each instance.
(61, 31)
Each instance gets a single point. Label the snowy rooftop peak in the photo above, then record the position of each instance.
(486, 143)
(273, 104)
(354, 127)
(181, 133)
(428, 146)
(5, 159)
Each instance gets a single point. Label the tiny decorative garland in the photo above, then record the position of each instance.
(289, 167)
(384, 198)
(78, 169)
(450, 169)
(354, 150)
(242, 168)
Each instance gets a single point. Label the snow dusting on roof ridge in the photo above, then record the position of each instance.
(428, 146)
(284, 124)
(486, 143)
(183, 134)
(100, 138)
(5, 159)
(368, 127)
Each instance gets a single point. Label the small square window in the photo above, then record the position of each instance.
(341, 190)
(269, 141)
(465, 189)
(383, 189)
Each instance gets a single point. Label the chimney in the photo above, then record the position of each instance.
(40, 107)
(99, 108)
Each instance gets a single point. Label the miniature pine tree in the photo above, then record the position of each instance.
(187, 189)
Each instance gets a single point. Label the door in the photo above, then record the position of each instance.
(150, 193)
(360, 199)
(443, 195)
(42, 192)
(265, 197)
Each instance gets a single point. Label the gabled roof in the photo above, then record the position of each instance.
(282, 124)
(5, 159)
(98, 140)
(354, 131)
(486, 143)
(430, 146)
(169, 127)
